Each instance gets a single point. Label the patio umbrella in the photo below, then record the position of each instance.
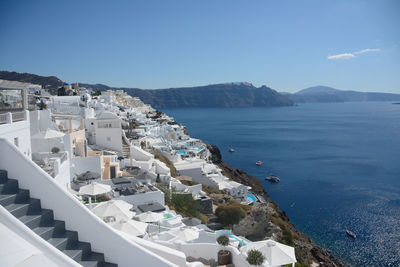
(94, 189)
(187, 234)
(150, 216)
(131, 227)
(277, 254)
(119, 209)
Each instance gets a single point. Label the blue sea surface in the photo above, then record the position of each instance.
(339, 165)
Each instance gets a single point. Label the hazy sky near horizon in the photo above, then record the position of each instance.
(286, 45)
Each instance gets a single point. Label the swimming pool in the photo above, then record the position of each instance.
(251, 197)
(240, 241)
(181, 152)
(167, 216)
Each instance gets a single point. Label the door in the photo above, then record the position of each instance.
(112, 172)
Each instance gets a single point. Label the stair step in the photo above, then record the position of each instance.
(10, 186)
(66, 240)
(89, 263)
(75, 254)
(20, 196)
(21, 209)
(85, 247)
(47, 232)
(37, 219)
(41, 221)
(58, 242)
(94, 256)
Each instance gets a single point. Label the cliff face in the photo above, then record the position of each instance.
(325, 94)
(268, 221)
(216, 95)
(50, 82)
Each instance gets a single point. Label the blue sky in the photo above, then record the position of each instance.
(286, 45)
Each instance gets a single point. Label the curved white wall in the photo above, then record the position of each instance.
(116, 248)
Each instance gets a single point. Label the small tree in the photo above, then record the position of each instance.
(223, 240)
(224, 256)
(255, 257)
(42, 105)
(229, 215)
(55, 150)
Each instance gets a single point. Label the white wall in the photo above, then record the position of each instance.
(110, 138)
(80, 165)
(40, 121)
(63, 177)
(143, 165)
(45, 145)
(139, 154)
(196, 174)
(144, 198)
(116, 248)
(20, 130)
(162, 168)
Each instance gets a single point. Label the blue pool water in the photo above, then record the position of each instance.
(240, 241)
(339, 165)
(181, 152)
(251, 198)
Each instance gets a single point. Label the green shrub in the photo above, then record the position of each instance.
(229, 215)
(223, 240)
(167, 162)
(255, 257)
(203, 218)
(185, 204)
(287, 237)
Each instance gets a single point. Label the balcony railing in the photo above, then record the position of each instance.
(4, 118)
(10, 117)
(18, 116)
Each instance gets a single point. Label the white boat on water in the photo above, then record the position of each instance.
(272, 178)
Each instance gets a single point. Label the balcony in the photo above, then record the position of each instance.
(11, 117)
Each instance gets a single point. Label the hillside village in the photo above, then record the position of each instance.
(122, 176)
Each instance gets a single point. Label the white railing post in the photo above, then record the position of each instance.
(9, 117)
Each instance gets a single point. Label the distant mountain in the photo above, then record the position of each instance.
(215, 95)
(50, 82)
(325, 94)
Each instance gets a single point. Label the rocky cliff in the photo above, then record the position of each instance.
(50, 82)
(215, 95)
(325, 94)
(268, 221)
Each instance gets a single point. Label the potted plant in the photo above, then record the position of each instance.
(255, 257)
(224, 256)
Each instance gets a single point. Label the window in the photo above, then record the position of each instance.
(16, 143)
(108, 124)
(11, 99)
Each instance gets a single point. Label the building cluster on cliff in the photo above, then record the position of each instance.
(132, 166)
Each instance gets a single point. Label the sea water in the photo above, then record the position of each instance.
(339, 165)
